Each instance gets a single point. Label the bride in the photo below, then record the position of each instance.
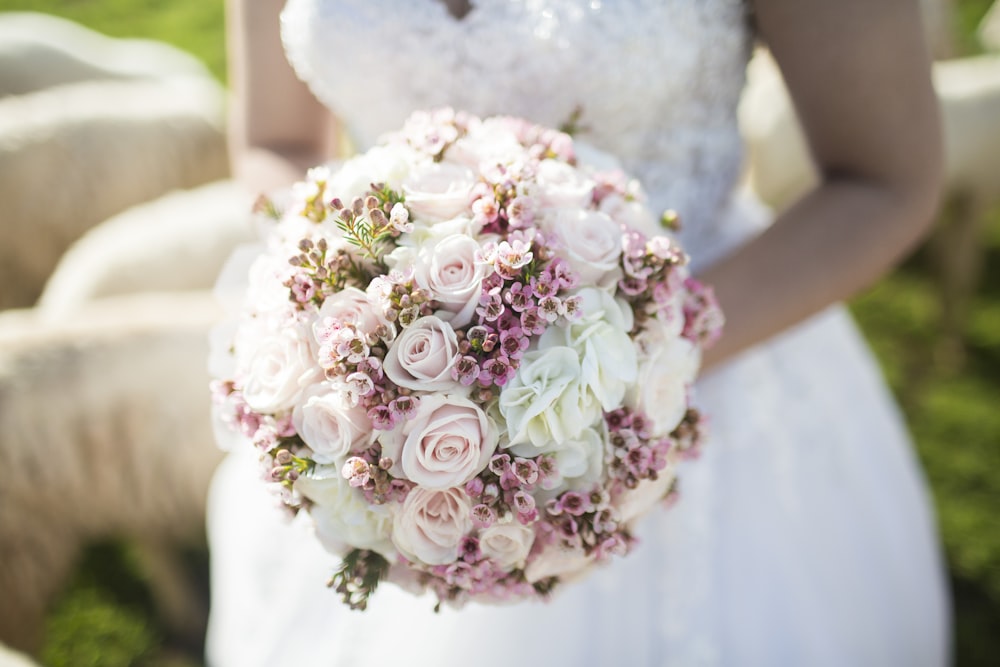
(803, 535)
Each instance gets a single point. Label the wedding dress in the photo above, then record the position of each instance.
(803, 534)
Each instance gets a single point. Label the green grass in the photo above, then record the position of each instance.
(193, 25)
(105, 616)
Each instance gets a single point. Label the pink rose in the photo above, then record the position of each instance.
(278, 366)
(562, 185)
(449, 271)
(423, 355)
(507, 545)
(348, 306)
(439, 191)
(447, 443)
(331, 427)
(429, 525)
(592, 242)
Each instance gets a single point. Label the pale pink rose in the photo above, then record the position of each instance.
(447, 443)
(633, 214)
(557, 561)
(449, 271)
(561, 185)
(430, 523)
(438, 191)
(348, 306)
(423, 355)
(387, 164)
(507, 545)
(591, 241)
(633, 503)
(331, 427)
(277, 368)
(487, 142)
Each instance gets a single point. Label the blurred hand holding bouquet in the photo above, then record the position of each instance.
(466, 353)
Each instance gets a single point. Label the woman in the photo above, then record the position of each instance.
(803, 536)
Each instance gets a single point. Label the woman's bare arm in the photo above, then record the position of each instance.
(858, 73)
(277, 128)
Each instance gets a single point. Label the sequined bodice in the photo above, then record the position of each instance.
(656, 82)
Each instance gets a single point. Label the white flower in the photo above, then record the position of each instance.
(423, 355)
(388, 164)
(557, 561)
(277, 367)
(438, 191)
(507, 544)
(667, 367)
(561, 185)
(265, 292)
(545, 403)
(344, 520)
(430, 524)
(591, 243)
(633, 503)
(330, 425)
(600, 337)
(580, 460)
(447, 443)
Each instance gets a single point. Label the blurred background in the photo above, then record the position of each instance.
(111, 148)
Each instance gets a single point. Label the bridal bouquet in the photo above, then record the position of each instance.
(466, 353)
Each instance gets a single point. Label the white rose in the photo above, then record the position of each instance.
(438, 191)
(331, 427)
(265, 292)
(561, 185)
(447, 268)
(507, 544)
(277, 367)
(388, 164)
(633, 503)
(600, 337)
(590, 241)
(557, 561)
(667, 368)
(349, 306)
(633, 214)
(447, 443)
(545, 403)
(489, 142)
(423, 355)
(429, 525)
(343, 518)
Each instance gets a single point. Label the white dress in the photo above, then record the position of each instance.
(803, 535)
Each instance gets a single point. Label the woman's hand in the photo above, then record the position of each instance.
(859, 75)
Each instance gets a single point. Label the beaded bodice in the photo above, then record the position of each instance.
(656, 82)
